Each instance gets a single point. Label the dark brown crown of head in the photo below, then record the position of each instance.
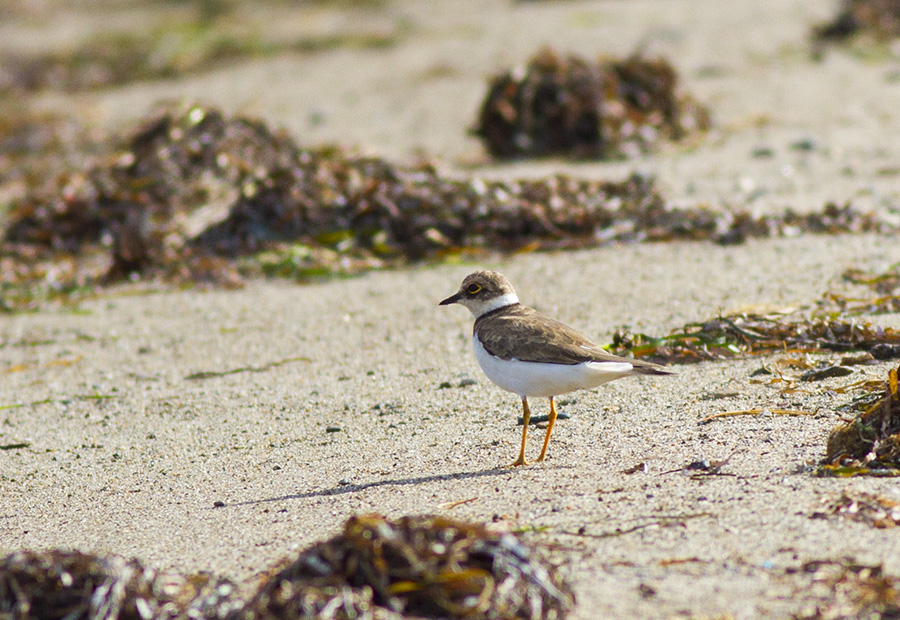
(485, 284)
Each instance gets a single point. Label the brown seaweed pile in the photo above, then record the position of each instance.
(190, 185)
(885, 285)
(851, 591)
(879, 19)
(879, 512)
(291, 601)
(425, 566)
(61, 585)
(572, 106)
(869, 443)
(192, 195)
(746, 334)
(415, 567)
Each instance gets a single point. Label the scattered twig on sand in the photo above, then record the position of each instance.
(461, 502)
(208, 374)
(655, 521)
(763, 412)
(64, 400)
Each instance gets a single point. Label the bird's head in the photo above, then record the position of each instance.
(482, 292)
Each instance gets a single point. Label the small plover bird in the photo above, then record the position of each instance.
(530, 354)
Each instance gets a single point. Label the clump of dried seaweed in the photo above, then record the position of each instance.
(851, 591)
(60, 585)
(747, 334)
(201, 596)
(886, 285)
(869, 443)
(572, 106)
(425, 566)
(879, 19)
(190, 191)
(874, 510)
(292, 600)
(190, 186)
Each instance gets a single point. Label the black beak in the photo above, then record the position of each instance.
(451, 300)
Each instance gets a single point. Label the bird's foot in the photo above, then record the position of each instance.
(519, 461)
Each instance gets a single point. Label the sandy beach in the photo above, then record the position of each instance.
(335, 405)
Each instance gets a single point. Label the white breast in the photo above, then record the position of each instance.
(540, 379)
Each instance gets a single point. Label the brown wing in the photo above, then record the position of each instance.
(527, 335)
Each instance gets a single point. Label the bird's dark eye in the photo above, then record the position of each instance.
(473, 288)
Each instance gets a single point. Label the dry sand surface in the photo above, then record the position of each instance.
(137, 472)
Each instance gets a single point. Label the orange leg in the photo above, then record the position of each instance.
(550, 424)
(526, 418)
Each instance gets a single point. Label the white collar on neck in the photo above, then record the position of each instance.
(506, 299)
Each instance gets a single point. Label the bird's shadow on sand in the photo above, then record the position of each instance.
(354, 488)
